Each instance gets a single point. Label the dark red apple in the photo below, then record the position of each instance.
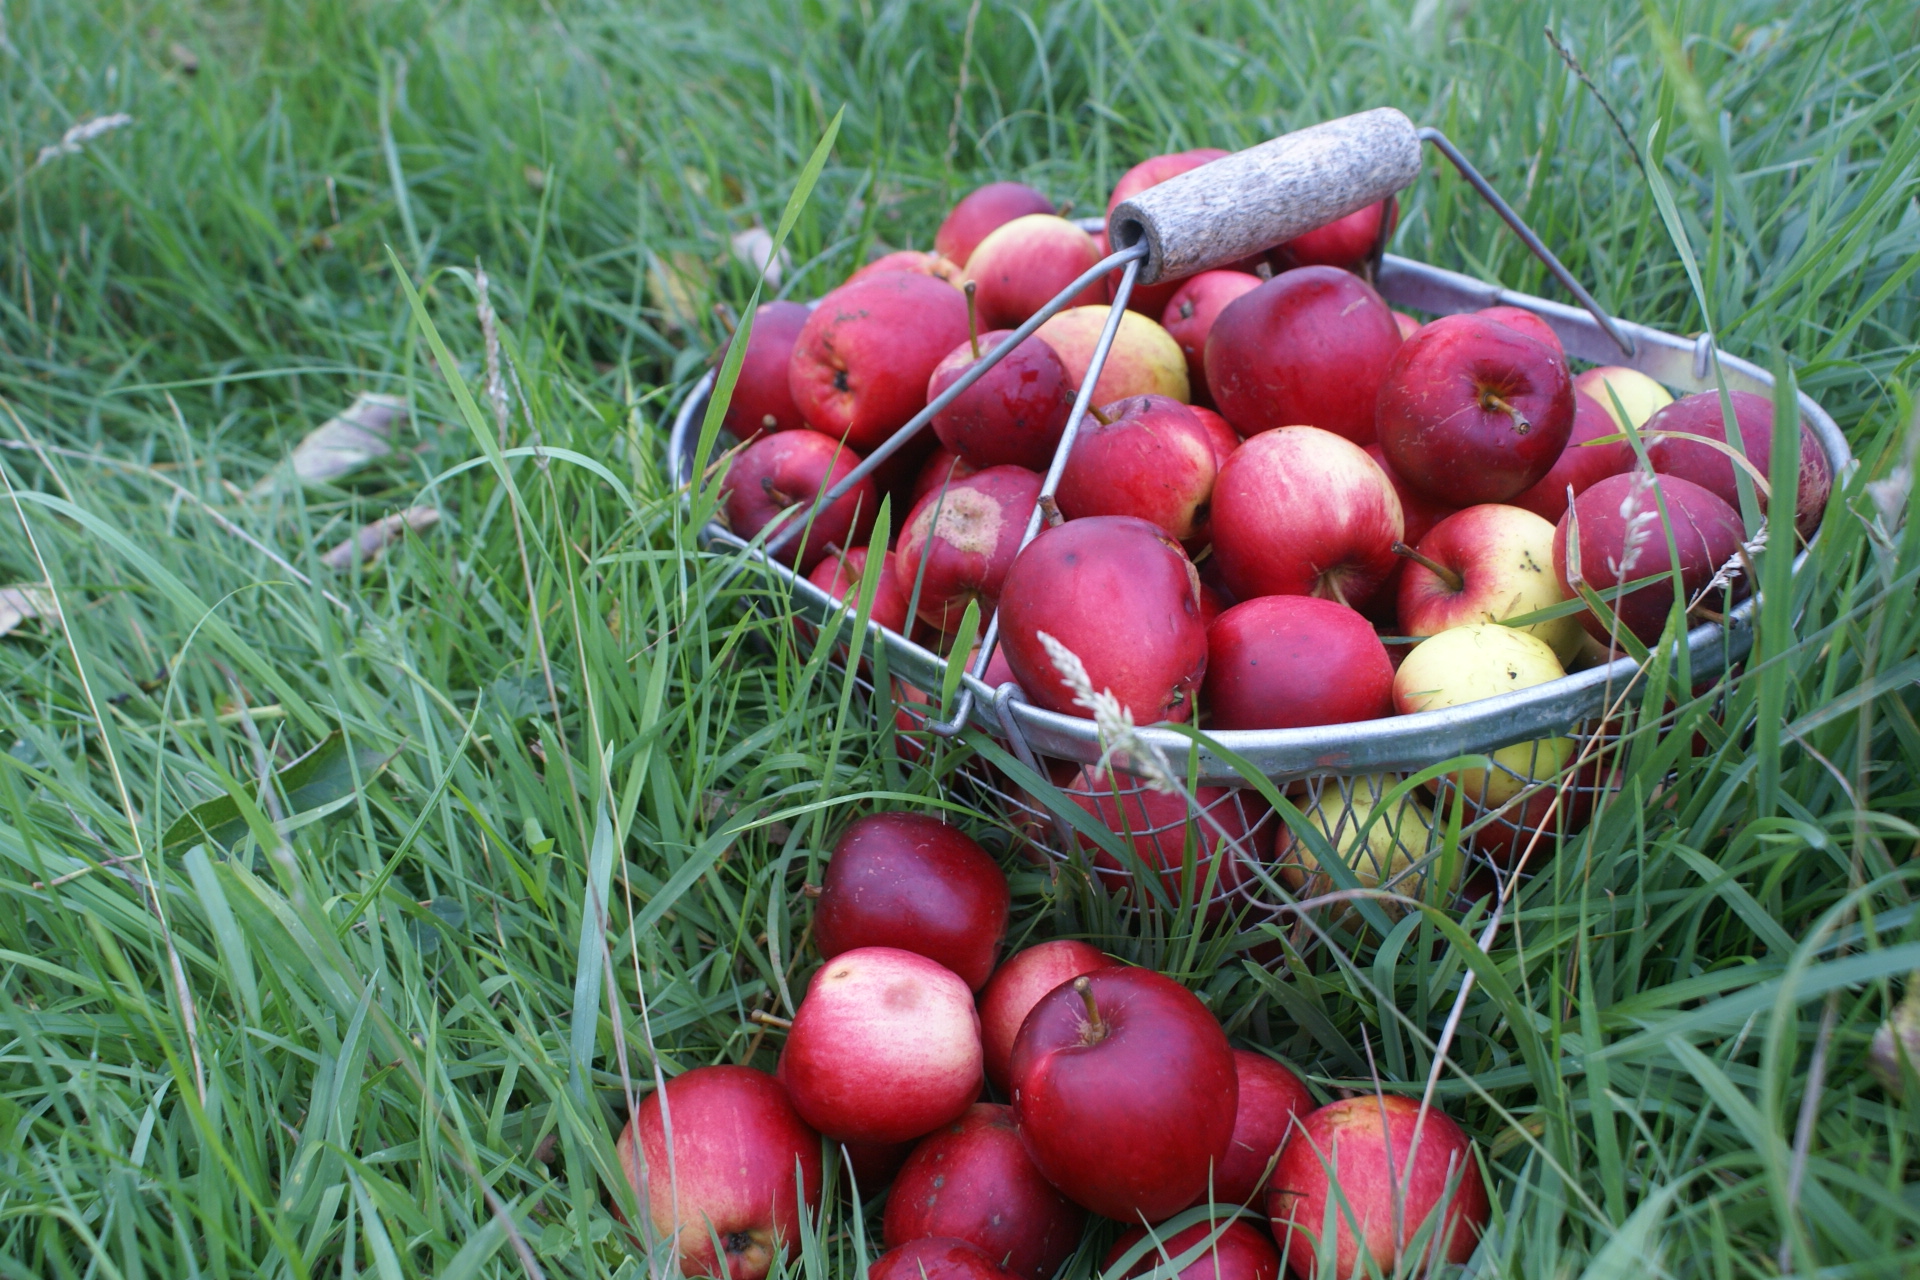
(910, 881)
(862, 361)
(1151, 299)
(793, 468)
(1346, 242)
(873, 1164)
(1018, 985)
(981, 211)
(967, 534)
(1156, 825)
(1124, 1091)
(1213, 603)
(737, 1142)
(1195, 305)
(1307, 348)
(885, 1047)
(1019, 268)
(1700, 415)
(1014, 414)
(1121, 596)
(1240, 1252)
(1271, 1099)
(839, 576)
(1301, 511)
(915, 262)
(1474, 411)
(1623, 538)
(1152, 458)
(943, 466)
(1357, 1160)
(1579, 464)
(1287, 662)
(762, 399)
(974, 1181)
(1521, 320)
(932, 1258)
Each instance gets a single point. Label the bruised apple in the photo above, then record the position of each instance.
(958, 544)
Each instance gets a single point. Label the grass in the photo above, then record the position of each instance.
(583, 772)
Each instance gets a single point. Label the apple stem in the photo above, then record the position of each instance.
(1493, 400)
(766, 1019)
(1453, 580)
(1098, 416)
(973, 323)
(1096, 1026)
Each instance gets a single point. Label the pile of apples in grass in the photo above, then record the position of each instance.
(1280, 470)
(1117, 1092)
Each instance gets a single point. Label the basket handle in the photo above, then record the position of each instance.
(1254, 199)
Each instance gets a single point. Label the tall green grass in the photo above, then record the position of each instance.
(589, 770)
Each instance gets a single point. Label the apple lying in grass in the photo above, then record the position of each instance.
(1485, 564)
(792, 469)
(1640, 396)
(913, 261)
(1474, 411)
(1301, 511)
(1521, 320)
(957, 545)
(1143, 360)
(973, 1180)
(885, 1047)
(743, 1166)
(1124, 1091)
(1287, 662)
(1307, 348)
(1158, 826)
(933, 1258)
(1382, 841)
(1581, 463)
(862, 361)
(1271, 1099)
(1014, 414)
(1144, 456)
(1484, 660)
(1236, 1251)
(839, 576)
(1379, 1172)
(1623, 538)
(910, 881)
(1017, 986)
(1123, 598)
(1020, 266)
(980, 212)
(762, 399)
(1682, 439)
(1191, 311)
(1348, 243)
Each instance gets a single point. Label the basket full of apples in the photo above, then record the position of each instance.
(1197, 465)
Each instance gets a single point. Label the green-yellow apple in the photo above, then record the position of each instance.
(1484, 660)
(1144, 359)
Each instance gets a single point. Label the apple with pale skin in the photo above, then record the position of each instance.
(1382, 840)
(1271, 1099)
(916, 262)
(1582, 463)
(1348, 243)
(1640, 396)
(1019, 268)
(1485, 660)
(861, 364)
(1014, 414)
(1485, 564)
(1407, 324)
(1288, 662)
(1017, 986)
(1240, 1251)
(1688, 439)
(839, 576)
(980, 212)
(1521, 320)
(762, 399)
(792, 469)
(1144, 456)
(1143, 360)
(743, 1167)
(958, 544)
(1195, 305)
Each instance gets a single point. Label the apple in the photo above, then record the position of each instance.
(1191, 311)
(1156, 825)
(1302, 511)
(873, 1165)
(1581, 463)
(942, 467)
(966, 535)
(1380, 1171)
(973, 1180)
(1408, 324)
(1225, 439)
(793, 468)
(910, 881)
(1287, 662)
(1271, 1099)
(1348, 242)
(1124, 1091)
(1151, 299)
(1144, 456)
(1484, 660)
(861, 364)
(1485, 564)
(1143, 360)
(914, 261)
(884, 1047)
(934, 1258)
(839, 574)
(1673, 454)
(1019, 268)
(1638, 394)
(1624, 509)
(1307, 348)
(762, 400)
(1014, 414)
(1521, 320)
(1241, 1251)
(1474, 411)
(982, 211)
(1418, 514)
(1508, 829)
(1122, 597)
(1018, 985)
(737, 1144)
(1383, 842)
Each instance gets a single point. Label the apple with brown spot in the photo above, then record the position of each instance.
(958, 544)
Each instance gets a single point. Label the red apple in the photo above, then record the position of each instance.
(942, 467)
(1121, 596)
(1143, 360)
(1240, 1252)
(932, 1258)
(1124, 1091)
(1622, 538)
(910, 881)
(1521, 320)
(1014, 414)
(1580, 463)
(915, 262)
(737, 1142)
(861, 364)
(793, 468)
(1287, 662)
(980, 212)
(885, 1047)
(967, 535)
(1308, 348)
(1301, 511)
(1152, 459)
(839, 576)
(762, 400)
(1219, 430)
(1419, 515)
(1485, 564)
(1019, 267)
(1474, 411)
(1194, 306)
(974, 1181)
(1018, 985)
(873, 1165)
(1346, 242)
(1700, 415)
(1271, 1099)
(1356, 1161)
(1212, 603)
(1156, 826)
(1408, 325)
(1151, 299)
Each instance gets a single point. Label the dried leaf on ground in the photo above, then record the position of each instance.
(754, 248)
(374, 538)
(28, 600)
(341, 444)
(676, 284)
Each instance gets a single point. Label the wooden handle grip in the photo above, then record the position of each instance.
(1257, 198)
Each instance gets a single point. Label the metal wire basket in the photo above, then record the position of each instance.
(1349, 782)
